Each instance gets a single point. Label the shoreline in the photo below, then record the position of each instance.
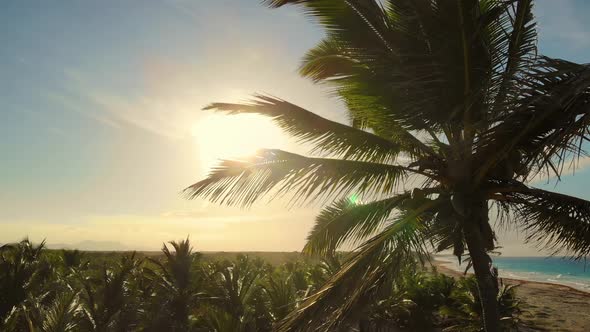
(440, 266)
(545, 306)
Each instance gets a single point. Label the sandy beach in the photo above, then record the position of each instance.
(546, 307)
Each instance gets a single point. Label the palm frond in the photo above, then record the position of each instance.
(363, 22)
(363, 32)
(326, 135)
(346, 219)
(62, 315)
(327, 61)
(521, 48)
(549, 123)
(395, 247)
(556, 221)
(330, 62)
(242, 182)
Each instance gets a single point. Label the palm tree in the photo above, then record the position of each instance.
(177, 283)
(284, 287)
(236, 290)
(24, 272)
(73, 259)
(452, 113)
(62, 314)
(106, 297)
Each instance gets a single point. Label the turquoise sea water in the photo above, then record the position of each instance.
(556, 270)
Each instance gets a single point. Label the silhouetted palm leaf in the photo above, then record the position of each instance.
(177, 286)
(325, 135)
(558, 221)
(241, 182)
(366, 270)
(62, 315)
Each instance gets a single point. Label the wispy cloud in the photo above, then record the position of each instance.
(171, 118)
(169, 103)
(164, 110)
(72, 105)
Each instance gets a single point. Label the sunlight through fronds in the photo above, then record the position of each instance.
(242, 182)
(324, 135)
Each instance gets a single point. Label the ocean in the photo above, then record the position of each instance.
(557, 270)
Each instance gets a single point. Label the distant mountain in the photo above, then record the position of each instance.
(89, 245)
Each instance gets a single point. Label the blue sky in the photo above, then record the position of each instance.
(100, 125)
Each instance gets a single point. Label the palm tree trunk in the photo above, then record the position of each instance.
(486, 281)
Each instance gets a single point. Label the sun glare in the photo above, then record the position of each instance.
(221, 136)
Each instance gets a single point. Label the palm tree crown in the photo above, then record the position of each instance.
(452, 111)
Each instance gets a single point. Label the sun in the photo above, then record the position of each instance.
(219, 136)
